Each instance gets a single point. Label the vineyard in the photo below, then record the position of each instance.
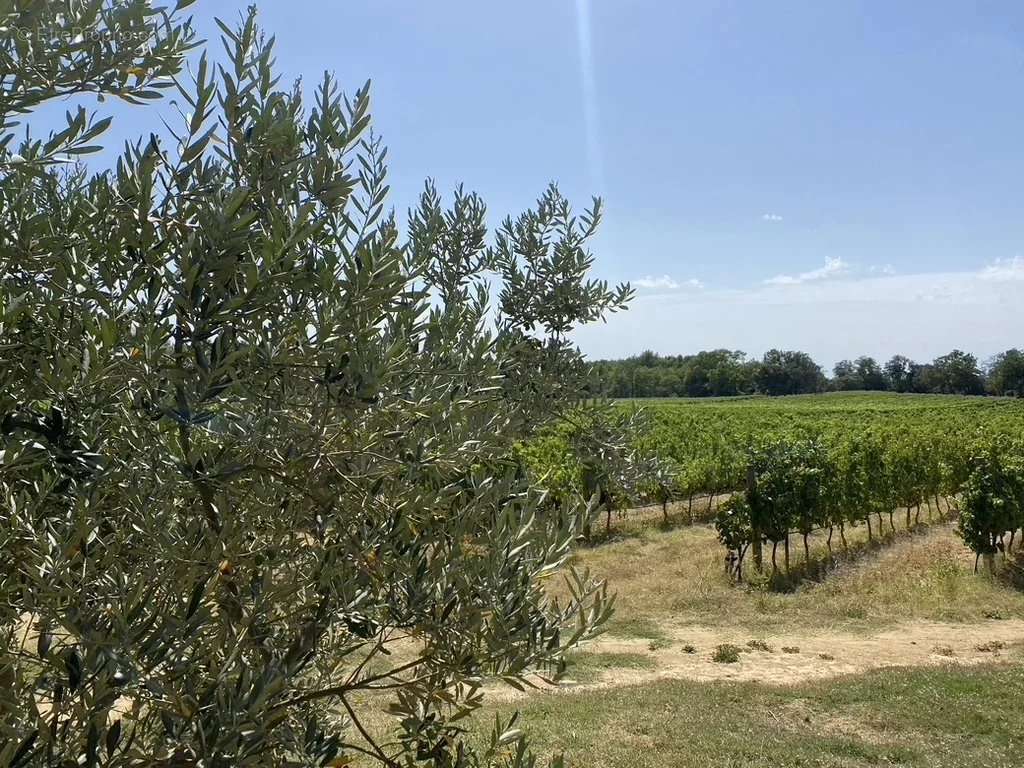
(306, 465)
(794, 466)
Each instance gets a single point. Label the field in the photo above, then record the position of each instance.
(707, 439)
(704, 442)
(899, 655)
(893, 651)
(889, 651)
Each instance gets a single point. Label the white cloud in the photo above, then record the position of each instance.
(771, 217)
(656, 282)
(1004, 269)
(666, 283)
(834, 267)
(921, 315)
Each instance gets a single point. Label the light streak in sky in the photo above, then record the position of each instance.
(589, 91)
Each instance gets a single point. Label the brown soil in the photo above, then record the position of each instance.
(816, 656)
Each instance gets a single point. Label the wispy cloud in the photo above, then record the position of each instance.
(1004, 269)
(770, 217)
(834, 267)
(922, 315)
(666, 283)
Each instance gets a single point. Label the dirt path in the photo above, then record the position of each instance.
(809, 656)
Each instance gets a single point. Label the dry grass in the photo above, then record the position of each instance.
(628, 523)
(678, 577)
(676, 607)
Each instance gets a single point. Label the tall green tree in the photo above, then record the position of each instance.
(844, 376)
(717, 373)
(899, 373)
(1006, 373)
(785, 372)
(255, 465)
(957, 373)
(870, 374)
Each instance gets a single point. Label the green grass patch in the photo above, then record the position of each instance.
(641, 628)
(589, 667)
(931, 717)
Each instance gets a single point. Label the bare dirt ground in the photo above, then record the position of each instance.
(687, 654)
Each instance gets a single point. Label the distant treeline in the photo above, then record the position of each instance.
(723, 372)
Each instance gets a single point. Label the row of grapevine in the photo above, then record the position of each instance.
(992, 506)
(709, 441)
(798, 486)
(879, 453)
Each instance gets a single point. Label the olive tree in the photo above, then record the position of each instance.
(255, 465)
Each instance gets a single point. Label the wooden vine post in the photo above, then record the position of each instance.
(755, 528)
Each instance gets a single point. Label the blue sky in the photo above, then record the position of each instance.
(839, 177)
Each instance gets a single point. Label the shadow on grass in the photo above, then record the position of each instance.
(818, 567)
(1011, 572)
(633, 523)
